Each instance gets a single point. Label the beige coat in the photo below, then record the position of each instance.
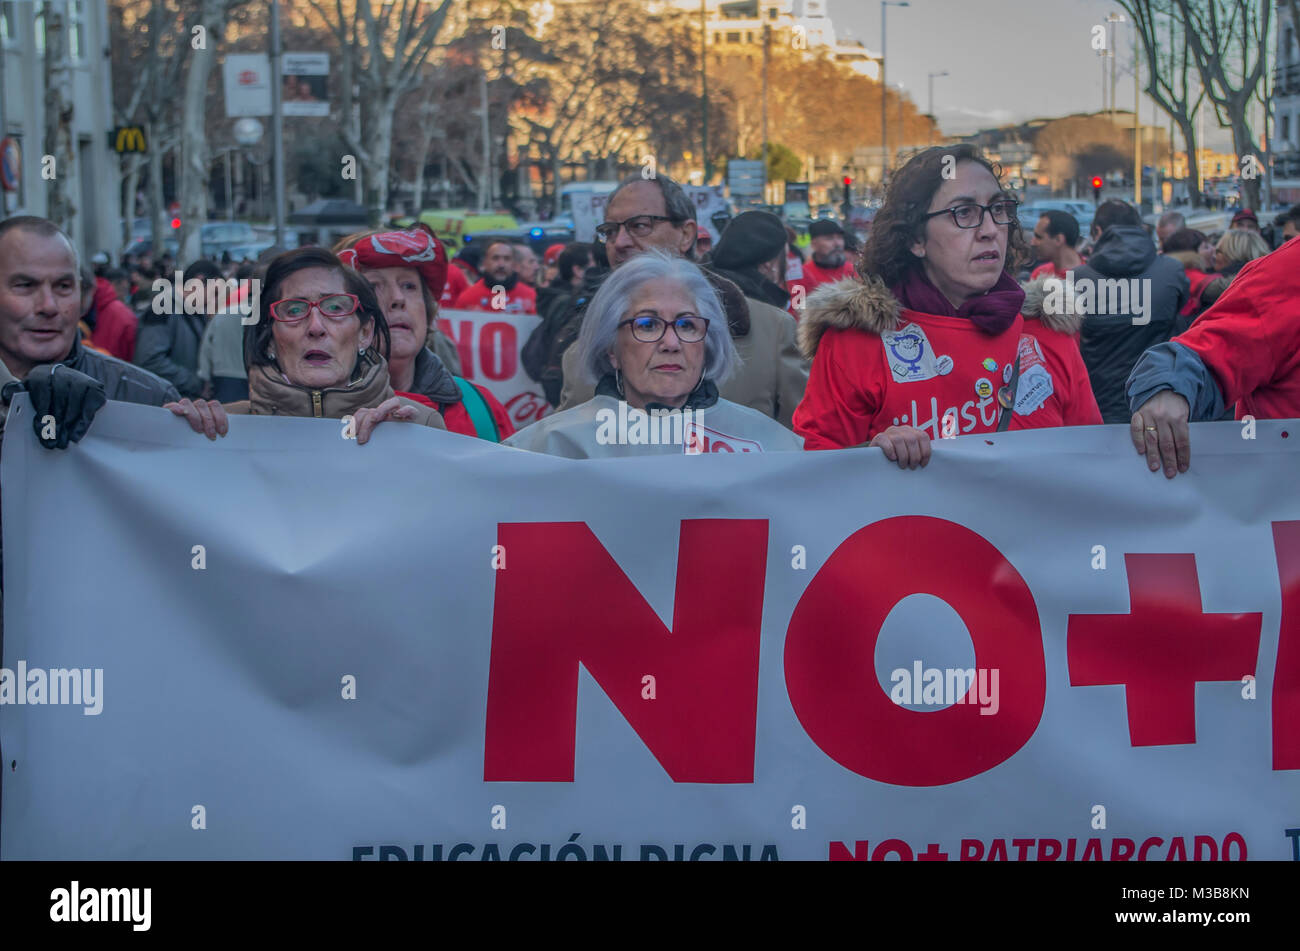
(771, 376)
(270, 394)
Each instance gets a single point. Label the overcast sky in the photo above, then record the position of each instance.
(1009, 60)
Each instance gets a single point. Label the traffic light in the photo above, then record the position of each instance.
(1096, 189)
(176, 223)
(848, 193)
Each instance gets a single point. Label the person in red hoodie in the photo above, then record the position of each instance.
(498, 269)
(115, 322)
(1245, 349)
(930, 343)
(407, 270)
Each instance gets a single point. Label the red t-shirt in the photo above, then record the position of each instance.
(1250, 338)
(1046, 270)
(455, 286)
(933, 369)
(520, 299)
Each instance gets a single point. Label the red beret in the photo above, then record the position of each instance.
(417, 249)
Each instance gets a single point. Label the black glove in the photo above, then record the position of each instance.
(72, 398)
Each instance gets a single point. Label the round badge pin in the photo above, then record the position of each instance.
(1005, 399)
(990, 364)
(1006, 373)
(983, 388)
(943, 365)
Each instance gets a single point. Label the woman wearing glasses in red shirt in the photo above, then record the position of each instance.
(930, 342)
(315, 351)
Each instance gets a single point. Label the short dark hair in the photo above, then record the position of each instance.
(203, 269)
(1112, 212)
(576, 254)
(1292, 214)
(258, 335)
(492, 243)
(1062, 223)
(112, 274)
(40, 226)
(1184, 239)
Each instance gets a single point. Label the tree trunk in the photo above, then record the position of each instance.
(1188, 128)
(58, 117)
(193, 184)
(381, 150)
(156, 200)
(128, 195)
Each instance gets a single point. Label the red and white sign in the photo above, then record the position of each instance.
(489, 343)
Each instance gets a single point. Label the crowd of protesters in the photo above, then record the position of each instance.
(937, 326)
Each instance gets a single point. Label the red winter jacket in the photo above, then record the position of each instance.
(877, 365)
(458, 419)
(115, 323)
(1250, 337)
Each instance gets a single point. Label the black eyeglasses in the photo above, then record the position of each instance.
(638, 226)
(650, 329)
(971, 214)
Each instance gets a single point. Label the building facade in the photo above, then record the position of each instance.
(737, 26)
(1285, 139)
(92, 179)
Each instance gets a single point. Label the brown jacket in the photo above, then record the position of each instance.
(771, 376)
(270, 394)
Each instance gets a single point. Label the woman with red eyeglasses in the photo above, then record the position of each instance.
(315, 351)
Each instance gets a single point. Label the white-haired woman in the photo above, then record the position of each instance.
(656, 345)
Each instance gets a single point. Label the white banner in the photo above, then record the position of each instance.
(489, 343)
(246, 79)
(304, 84)
(1032, 649)
(709, 201)
(588, 211)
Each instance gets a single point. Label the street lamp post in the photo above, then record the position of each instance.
(933, 122)
(1112, 19)
(884, 86)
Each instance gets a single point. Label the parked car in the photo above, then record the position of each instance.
(218, 236)
(1082, 210)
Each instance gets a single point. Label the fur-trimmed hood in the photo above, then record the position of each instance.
(1190, 260)
(851, 304)
(1032, 309)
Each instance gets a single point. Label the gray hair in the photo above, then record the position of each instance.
(606, 310)
(1174, 218)
(677, 205)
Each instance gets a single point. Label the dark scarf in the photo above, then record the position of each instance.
(703, 396)
(509, 283)
(992, 312)
(756, 286)
(432, 379)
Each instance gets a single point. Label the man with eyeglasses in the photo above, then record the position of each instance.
(655, 213)
(1135, 297)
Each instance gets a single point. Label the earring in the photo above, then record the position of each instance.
(618, 382)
